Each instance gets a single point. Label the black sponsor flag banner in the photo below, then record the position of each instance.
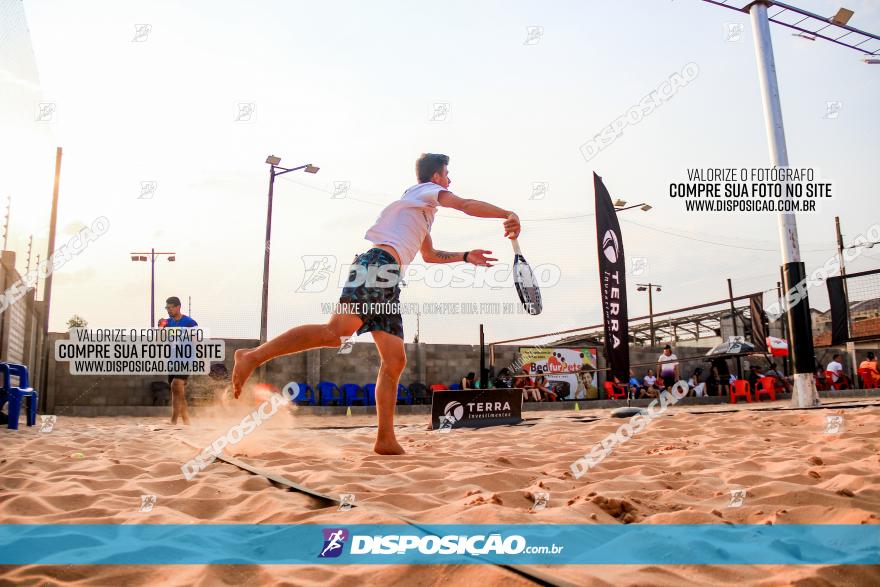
(612, 282)
(759, 322)
(475, 408)
(839, 311)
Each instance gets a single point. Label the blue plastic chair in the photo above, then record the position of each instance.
(330, 392)
(455, 387)
(370, 390)
(14, 395)
(354, 393)
(305, 395)
(403, 395)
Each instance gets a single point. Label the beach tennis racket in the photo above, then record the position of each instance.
(525, 282)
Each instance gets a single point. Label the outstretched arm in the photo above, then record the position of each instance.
(432, 255)
(481, 209)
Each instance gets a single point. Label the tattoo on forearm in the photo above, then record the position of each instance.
(447, 255)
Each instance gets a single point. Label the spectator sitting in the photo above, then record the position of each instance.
(649, 380)
(695, 385)
(524, 382)
(820, 375)
(837, 374)
(546, 393)
(754, 375)
(781, 381)
(871, 365)
(469, 381)
(634, 385)
(651, 386)
(503, 380)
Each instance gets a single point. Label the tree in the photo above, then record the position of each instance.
(77, 321)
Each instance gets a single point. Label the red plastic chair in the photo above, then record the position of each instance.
(741, 388)
(438, 387)
(766, 385)
(615, 391)
(869, 380)
(829, 379)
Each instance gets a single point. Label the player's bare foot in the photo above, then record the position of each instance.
(388, 447)
(241, 372)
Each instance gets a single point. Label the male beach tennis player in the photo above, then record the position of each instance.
(402, 230)
(177, 319)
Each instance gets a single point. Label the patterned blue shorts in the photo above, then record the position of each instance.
(373, 292)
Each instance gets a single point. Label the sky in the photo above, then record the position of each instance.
(153, 92)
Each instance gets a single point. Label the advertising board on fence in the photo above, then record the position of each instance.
(571, 369)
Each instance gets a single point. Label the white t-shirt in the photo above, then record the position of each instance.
(668, 364)
(405, 223)
(836, 367)
(649, 380)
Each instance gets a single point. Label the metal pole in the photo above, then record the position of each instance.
(739, 367)
(850, 347)
(804, 392)
(37, 283)
(152, 288)
(784, 334)
(6, 223)
(53, 219)
(264, 319)
(30, 246)
(483, 371)
(47, 285)
(651, 310)
(843, 272)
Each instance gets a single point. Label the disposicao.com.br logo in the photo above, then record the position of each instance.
(431, 545)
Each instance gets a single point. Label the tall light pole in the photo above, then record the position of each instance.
(140, 257)
(804, 390)
(273, 162)
(833, 29)
(650, 287)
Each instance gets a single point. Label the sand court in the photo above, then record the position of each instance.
(787, 466)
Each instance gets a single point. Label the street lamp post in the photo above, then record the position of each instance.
(620, 206)
(650, 287)
(141, 257)
(274, 163)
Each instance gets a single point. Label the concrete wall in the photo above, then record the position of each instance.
(21, 324)
(427, 364)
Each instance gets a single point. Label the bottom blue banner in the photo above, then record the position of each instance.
(703, 544)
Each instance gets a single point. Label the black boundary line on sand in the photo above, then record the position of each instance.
(538, 577)
(830, 406)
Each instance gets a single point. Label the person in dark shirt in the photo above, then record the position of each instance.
(176, 319)
(722, 375)
(504, 380)
(754, 376)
